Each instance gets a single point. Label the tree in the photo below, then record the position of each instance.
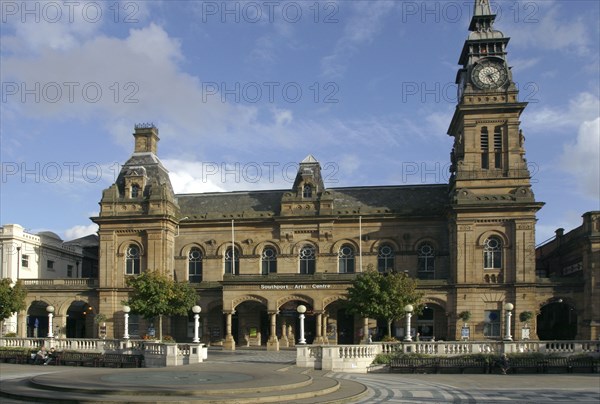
(154, 295)
(12, 298)
(376, 295)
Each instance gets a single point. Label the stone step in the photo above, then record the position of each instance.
(243, 384)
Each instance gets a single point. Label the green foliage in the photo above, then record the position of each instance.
(12, 298)
(154, 295)
(382, 296)
(525, 316)
(465, 315)
(100, 318)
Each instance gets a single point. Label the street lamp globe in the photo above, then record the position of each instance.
(196, 309)
(126, 309)
(509, 306)
(301, 309)
(409, 308)
(50, 309)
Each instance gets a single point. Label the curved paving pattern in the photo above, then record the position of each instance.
(488, 389)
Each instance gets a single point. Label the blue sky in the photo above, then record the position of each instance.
(242, 91)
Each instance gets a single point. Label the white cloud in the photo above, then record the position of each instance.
(362, 27)
(544, 26)
(582, 158)
(80, 231)
(584, 107)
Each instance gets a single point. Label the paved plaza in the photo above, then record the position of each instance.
(254, 376)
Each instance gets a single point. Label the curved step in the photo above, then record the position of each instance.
(254, 384)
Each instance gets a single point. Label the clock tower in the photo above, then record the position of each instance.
(488, 156)
(492, 219)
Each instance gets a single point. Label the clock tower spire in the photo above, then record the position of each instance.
(492, 206)
(488, 157)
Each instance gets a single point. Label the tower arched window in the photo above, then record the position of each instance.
(232, 262)
(492, 253)
(195, 265)
(346, 260)
(132, 260)
(485, 148)
(269, 261)
(307, 191)
(135, 190)
(385, 258)
(498, 147)
(307, 260)
(426, 261)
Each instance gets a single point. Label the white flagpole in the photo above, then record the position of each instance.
(232, 248)
(360, 243)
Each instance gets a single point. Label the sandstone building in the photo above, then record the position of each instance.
(255, 256)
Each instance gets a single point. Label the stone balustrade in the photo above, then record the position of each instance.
(357, 358)
(155, 354)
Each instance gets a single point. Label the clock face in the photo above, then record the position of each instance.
(488, 75)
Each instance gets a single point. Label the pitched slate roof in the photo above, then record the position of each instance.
(412, 200)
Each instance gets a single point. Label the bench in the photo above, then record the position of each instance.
(78, 358)
(560, 364)
(121, 360)
(515, 365)
(588, 364)
(462, 364)
(15, 355)
(414, 365)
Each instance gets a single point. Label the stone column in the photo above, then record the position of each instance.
(283, 341)
(273, 342)
(324, 330)
(365, 337)
(319, 329)
(22, 324)
(229, 343)
(290, 336)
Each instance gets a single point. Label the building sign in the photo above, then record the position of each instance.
(295, 286)
(465, 332)
(573, 268)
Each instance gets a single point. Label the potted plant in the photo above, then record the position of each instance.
(465, 316)
(100, 321)
(525, 316)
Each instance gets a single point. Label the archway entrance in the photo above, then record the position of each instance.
(557, 321)
(250, 324)
(432, 323)
(37, 320)
(79, 320)
(289, 316)
(341, 328)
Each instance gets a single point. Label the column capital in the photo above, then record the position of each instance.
(272, 311)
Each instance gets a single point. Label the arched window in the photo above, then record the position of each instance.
(229, 257)
(426, 261)
(307, 191)
(492, 253)
(132, 260)
(135, 190)
(346, 260)
(307, 260)
(195, 265)
(485, 148)
(385, 258)
(269, 261)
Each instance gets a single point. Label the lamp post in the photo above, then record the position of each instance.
(196, 309)
(50, 310)
(408, 309)
(301, 310)
(508, 307)
(126, 310)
